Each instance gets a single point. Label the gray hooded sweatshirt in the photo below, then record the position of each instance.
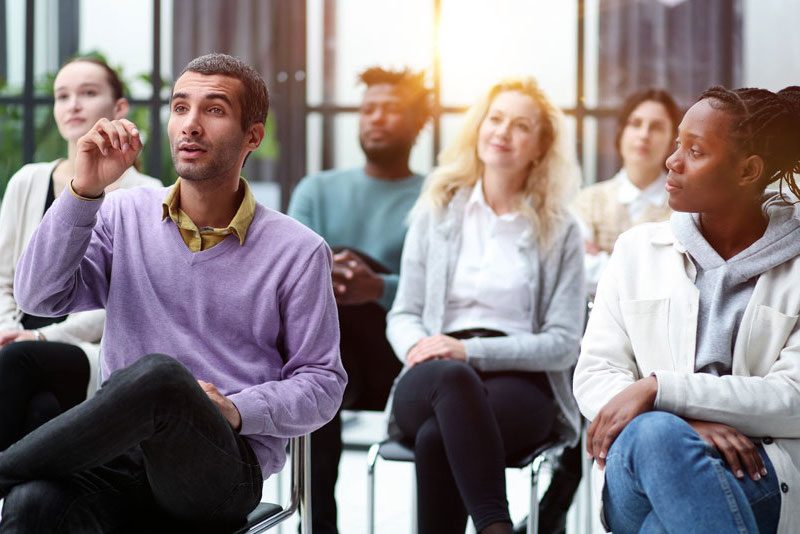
(726, 286)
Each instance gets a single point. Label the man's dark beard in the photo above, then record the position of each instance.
(386, 155)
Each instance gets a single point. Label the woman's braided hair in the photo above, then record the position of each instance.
(765, 124)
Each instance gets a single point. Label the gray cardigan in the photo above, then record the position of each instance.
(557, 291)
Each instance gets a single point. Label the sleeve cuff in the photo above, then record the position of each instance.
(670, 397)
(74, 210)
(472, 347)
(389, 290)
(253, 418)
(88, 199)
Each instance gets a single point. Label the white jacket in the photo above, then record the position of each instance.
(20, 213)
(647, 323)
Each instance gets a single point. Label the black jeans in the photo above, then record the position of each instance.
(38, 381)
(148, 453)
(371, 369)
(464, 425)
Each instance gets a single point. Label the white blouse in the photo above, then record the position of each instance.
(637, 200)
(489, 287)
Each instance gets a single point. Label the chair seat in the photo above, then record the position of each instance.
(397, 452)
(524, 460)
(263, 511)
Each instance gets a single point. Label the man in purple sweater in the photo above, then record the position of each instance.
(248, 322)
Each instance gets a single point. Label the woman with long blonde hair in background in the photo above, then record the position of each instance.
(489, 308)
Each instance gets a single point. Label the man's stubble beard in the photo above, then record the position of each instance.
(222, 158)
(386, 155)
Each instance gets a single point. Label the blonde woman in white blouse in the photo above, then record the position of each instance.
(489, 308)
(47, 365)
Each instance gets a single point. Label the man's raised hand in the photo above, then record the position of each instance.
(104, 153)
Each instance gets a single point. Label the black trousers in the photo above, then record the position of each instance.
(38, 381)
(464, 425)
(149, 453)
(371, 369)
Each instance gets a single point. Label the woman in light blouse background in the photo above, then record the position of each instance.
(646, 129)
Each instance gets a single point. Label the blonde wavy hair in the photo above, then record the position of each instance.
(550, 184)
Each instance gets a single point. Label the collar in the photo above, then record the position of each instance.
(653, 194)
(238, 226)
(477, 199)
(663, 235)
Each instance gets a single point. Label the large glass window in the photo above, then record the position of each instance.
(315, 52)
(771, 43)
(463, 45)
(39, 35)
(481, 42)
(127, 46)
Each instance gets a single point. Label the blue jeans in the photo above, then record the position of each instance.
(661, 476)
(148, 453)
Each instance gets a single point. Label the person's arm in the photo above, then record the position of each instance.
(584, 207)
(555, 346)
(8, 229)
(404, 327)
(606, 365)
(302, 203)
(755, 405)
(66, 265)
(312, 383)
(390, 282)
(607, 384)
(81, 327)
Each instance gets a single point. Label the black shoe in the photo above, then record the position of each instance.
(558, 526)
(522, 527)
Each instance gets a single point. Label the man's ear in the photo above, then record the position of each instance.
(752, 171)
(255, 134)
(121, 107)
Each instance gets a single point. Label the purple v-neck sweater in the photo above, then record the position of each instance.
(258, 320)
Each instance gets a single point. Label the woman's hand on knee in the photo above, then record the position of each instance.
(738, 450)
(438, 347)
(634, 400)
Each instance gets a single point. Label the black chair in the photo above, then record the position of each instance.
(393, 450)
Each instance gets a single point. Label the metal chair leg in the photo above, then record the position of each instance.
(372, 458)
(305, 503)
(414, 503)
(299, 498)
(533, 508)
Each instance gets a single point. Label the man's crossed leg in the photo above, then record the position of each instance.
(149, 448)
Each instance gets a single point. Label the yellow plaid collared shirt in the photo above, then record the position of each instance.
(204, 238)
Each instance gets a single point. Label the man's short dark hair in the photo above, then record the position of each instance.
(411, 83)
(254, 100)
